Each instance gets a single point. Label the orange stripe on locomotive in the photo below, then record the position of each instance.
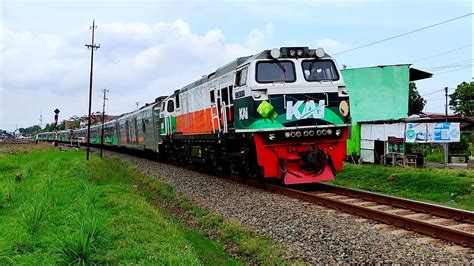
(198, 122)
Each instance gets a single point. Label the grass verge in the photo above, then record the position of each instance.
(56, 208)
(454, 188)
(245, 242)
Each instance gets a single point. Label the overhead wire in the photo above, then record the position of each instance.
(443, 53)
(406, 33)
(449, 65)
(452, 70)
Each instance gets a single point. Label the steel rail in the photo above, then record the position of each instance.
(438, 210)
(439, 231)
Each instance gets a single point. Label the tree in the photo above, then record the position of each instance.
(416, 103)
(462, 100)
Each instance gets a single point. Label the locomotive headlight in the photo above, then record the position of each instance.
(305, 133)
(293, 134)
(275, 53)
(299, 52)
(338, 132)
(320, 52)
(292, 52)
(287, 134)
(298, 134)
(318, 132)
(311, 133)
(344, 108)
(324, 131)
(271, 136)
(329, 131)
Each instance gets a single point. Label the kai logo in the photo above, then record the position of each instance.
(243, 113)
(304, 109)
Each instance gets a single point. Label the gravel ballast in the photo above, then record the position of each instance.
(315, 234)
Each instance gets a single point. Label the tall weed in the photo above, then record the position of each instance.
(34, 216)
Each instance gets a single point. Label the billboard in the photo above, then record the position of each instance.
(432, 132)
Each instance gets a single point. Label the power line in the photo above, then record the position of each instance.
(449, 65)
(433, 92)
(443, 53)
(453, 70)
(444, 67)
(403, 34)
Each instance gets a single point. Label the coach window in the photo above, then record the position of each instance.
(170, 107)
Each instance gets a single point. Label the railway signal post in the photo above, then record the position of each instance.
(92, 47)
(56, 113)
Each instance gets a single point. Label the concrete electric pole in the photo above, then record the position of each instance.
(92, 47)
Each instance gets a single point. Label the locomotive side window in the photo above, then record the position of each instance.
(170, 107)
(212, 97)
(177, 101)
(231, 94)
(275, 71)
(225, 96)
(318, 70)
(241, 77)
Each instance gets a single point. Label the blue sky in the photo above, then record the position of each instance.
(150, 48)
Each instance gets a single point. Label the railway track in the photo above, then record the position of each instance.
(437, 221)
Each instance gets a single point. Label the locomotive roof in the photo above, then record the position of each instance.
(237, 63)
(218, 73)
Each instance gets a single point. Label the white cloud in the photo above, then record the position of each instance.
(331, 46)
(136, 61)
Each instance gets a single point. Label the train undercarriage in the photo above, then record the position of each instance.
(257, 155)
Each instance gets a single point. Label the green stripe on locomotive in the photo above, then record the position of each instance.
(171, 119)
(279, 112)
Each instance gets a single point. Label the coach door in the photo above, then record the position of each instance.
(157, 124)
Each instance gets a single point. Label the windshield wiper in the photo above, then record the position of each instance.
(282, 68)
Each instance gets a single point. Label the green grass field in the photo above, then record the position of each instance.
(454, 188)
(57, 209)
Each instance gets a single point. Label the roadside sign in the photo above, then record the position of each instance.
(432, 132)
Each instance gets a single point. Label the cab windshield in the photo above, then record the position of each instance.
(275, 71)
(319, 70)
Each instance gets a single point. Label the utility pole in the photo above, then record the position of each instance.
(41, 119)
(446, 104)
(103, 120)
(446, 146)
(91, 47)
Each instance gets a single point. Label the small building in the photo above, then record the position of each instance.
(381, 137)
(377, 93)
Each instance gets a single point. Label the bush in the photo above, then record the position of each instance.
(435, 157)
(461, 147)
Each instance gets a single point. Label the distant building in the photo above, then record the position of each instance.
(377, 93)
(96, 118)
